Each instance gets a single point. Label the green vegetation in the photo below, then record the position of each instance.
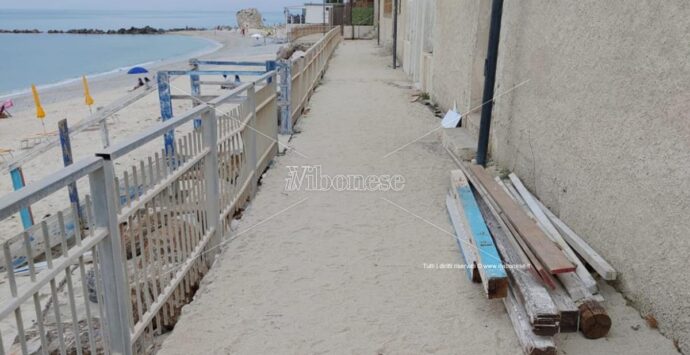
(363, 16)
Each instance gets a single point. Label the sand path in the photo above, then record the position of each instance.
(312, 272)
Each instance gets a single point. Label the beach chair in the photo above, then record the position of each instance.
(4, 112)
(36, 139)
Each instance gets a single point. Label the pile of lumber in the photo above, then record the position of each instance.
(522, 253)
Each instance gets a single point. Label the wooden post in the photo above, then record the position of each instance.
(17, 175)
(594, 321)
(67, 160)
(163, 79)
(195, 89)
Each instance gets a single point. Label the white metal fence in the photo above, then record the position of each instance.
(150, 233)
(304, 74)
(151, 224)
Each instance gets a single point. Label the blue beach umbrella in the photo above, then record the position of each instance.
(137, 70)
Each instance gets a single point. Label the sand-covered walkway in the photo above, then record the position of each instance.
(343, 272)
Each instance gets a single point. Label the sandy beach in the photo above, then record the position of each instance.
(68, 102)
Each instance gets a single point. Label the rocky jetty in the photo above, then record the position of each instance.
(20, 31)
(249, 18)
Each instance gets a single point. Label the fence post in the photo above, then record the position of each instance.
(166, 110)
(195, 89)
(285, 71)
(116, 297)
(210, 138)
(67, 160)
(251, 144)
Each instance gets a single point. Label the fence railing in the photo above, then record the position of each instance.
(299, 77)
(299, 31)
(141, 254)
(151, 224)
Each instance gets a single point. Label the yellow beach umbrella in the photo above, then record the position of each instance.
(40, 114)
(87, 96)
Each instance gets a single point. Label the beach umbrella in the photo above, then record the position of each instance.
(40, 114)
(87, 96)
(137, 70)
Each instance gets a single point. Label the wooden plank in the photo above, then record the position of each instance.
(539, 269)
(550, 230)
(531, 343)
(570, 314)
(598, 263)
(540, 309)
(468, 254)
(491, 270)
(546, 250)
(571, 281)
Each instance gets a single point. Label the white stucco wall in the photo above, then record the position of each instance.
(601, 131)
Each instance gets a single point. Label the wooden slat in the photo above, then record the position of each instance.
(493, 275)
(469, 254)
(505, 223)
(544, 249)
(571, 281)
(598, 263)
(531, 343)
(540, 309)
(570, 314)
(551, 231)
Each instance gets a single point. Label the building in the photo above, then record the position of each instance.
(591, 110)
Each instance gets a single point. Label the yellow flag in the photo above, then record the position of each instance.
(87, 96)
(40, 114)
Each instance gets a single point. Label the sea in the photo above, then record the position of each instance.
(52, 59)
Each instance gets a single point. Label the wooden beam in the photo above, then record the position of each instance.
(531, 343)
(571, 281)
(539, 269)
(491, 270)
(568, 310)
(552, 232)
(469, 254)
(540, 309)
(595, 323)
(598, 263)
(544, 249)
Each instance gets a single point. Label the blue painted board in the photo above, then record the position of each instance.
(25, 214)
(486, 249)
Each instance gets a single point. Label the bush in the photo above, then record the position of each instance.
(363, 16)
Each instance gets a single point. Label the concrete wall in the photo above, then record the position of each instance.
(460, 37)
(601, 131)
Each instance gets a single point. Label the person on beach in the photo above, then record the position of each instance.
(237, 80)
(147, 82)
(140, 83)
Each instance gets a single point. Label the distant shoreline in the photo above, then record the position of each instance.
(146, 30)
(51, 90)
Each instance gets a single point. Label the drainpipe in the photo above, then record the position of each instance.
(489, 81)
(395, 34)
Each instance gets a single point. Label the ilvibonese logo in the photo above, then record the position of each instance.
(310, 178)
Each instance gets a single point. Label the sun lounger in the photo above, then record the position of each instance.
(35, 139)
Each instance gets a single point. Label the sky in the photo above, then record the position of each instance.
(262, 5)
